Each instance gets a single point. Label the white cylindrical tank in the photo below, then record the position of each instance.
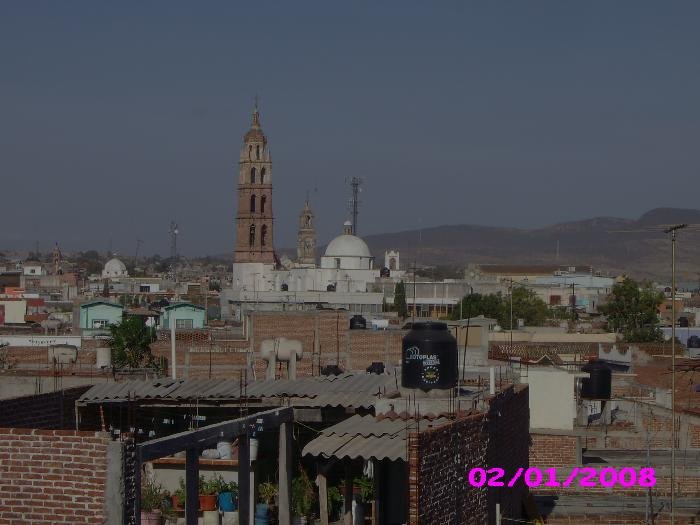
(103, 357)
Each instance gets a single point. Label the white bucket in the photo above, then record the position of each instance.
(230, 518)
(224, 448)
(253, 449)
(211, 517)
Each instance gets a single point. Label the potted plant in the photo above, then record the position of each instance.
(228, 496)
(152, 496)
(207, 493)
(179, 496)
(335, 503)
(267, 492)
(303, 497)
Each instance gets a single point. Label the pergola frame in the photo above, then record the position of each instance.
(194, 441)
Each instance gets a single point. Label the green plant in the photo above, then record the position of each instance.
(231, 487)
(181, 492)
(130, 342)
(366, 487)
(335, 499)
(303, 495)
(267, 492)
(152, 495)
(209, 487)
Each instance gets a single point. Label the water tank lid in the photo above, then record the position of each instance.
(429, 325)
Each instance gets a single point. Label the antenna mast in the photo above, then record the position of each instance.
(354, 202)
(173, 240)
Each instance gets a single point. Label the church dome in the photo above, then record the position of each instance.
(114, 268)
(347, 246)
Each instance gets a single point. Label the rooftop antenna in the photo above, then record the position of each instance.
(139, 242)
(354, 202)
(173, 239)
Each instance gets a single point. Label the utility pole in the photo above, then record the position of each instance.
(672, 230)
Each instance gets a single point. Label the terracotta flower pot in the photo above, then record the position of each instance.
(150, 518)
(177, 504)
(207, 502)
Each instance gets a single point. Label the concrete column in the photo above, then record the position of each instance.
(322, 496)
(284, 481)
(376, 506)
(347, 496)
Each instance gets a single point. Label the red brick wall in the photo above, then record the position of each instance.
(54, 410)
(553, 451)
(52, 476)
(509, 427)
(438, 462)
(441, 458)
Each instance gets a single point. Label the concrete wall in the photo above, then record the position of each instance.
(14, 311)
(552, 401)
(111, 313)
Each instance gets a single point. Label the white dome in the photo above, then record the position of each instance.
(347, 246)
(114, 268)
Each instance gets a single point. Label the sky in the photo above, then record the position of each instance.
(118, 117)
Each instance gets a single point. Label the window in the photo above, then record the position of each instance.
(252, 204)
(392, 263)
(251, 236)
(263, 235)
(99, 323)
(252, 175)
(250, 152)
(262, 176)
(183, 323)
(337, 262)
(144, 288)
(263, 200)
(257, 152)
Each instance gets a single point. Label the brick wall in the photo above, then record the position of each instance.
(509, 427)
(441, 458)
(438, 462)
(54, 410)
(52, 476)
(553, 451)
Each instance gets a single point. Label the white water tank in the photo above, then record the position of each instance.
(103, 357)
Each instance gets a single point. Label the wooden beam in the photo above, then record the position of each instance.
(192, 486)
(244, 487)
(208, 436)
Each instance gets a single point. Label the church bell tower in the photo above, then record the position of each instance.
(306, 239)
(254, 240)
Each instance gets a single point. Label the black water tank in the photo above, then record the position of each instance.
(285, 287)
(683, 322)
(693, 341)
(599, 384)
(376, 368)
(429, 357)
(357, 322)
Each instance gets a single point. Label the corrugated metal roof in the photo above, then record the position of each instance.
(345, 390)
(366, 437)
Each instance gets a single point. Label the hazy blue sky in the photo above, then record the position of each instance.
(117, 117)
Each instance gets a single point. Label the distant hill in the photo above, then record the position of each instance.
(597, 242)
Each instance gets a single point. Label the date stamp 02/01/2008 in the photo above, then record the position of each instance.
(584, 476)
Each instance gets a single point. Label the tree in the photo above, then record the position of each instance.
(489, 305)
(632, 311)
(526, 306)
(130, 342)
(400, 299)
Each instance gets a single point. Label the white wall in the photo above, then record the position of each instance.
(14, 311)
(552, 399)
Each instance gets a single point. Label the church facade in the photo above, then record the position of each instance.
(263, 281)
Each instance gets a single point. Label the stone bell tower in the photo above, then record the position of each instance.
(254, 240)
(306, 239)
